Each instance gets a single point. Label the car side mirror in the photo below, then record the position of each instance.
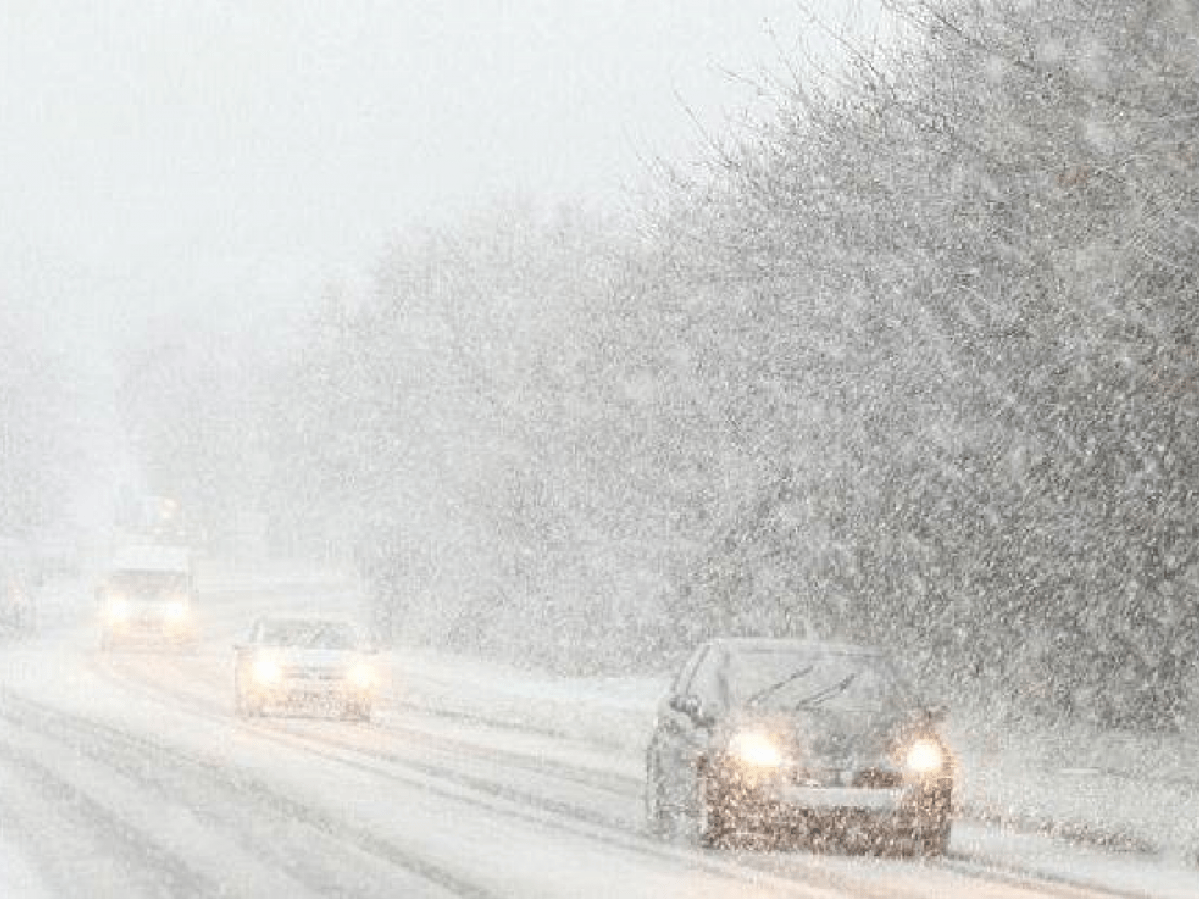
(693, 708)
(937, 712)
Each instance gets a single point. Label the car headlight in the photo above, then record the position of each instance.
(925, 756)
(362, 676)
(756, 749)
(175, 610)
(267, 671)
(116, 609)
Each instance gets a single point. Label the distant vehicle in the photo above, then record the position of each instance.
(782, 738)
(292, 662)
(148, 596)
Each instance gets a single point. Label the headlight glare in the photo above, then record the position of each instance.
(362, 676)
(925, 756)
(756, 749)
(267, 671)
(116, 609)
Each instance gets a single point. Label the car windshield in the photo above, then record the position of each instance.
(798, 678)
(308, 635)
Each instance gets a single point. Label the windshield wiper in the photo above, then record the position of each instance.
(820, 696)
(773, 688)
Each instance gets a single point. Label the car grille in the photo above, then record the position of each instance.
(323, 675)
(877, 779)
(865, 778)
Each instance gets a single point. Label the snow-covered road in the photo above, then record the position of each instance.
(127, 775)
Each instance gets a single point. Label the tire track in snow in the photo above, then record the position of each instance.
(614, 783)
(982, 867)
(148, 867)
(501, 799)
(141, 760)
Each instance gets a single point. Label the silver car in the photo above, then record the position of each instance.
(304, 662)
(787, 738)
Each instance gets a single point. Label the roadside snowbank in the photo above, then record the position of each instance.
(1128, 790)
(615, 713)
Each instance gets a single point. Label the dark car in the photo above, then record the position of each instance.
(304, 662)
(788, 738)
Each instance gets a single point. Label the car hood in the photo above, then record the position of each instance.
(830, 737)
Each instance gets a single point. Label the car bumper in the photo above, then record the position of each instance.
(311, 694)
(910, 808)
(929, 800)
(818, 799)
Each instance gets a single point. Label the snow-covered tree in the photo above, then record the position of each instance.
(945, 309)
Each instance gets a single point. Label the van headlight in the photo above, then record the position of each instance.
(362, 676)
(175, 610)
(267, 671)
(116, 609)
(756, 749)
(925, 756)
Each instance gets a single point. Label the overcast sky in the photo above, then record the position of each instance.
(244, 152)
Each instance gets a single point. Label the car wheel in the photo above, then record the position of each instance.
(247, 706)
(713, 821)
(678, 811)
(658, 821)
(242, 702)
(919, 840)
(933, 842)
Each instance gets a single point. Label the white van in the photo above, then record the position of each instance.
(147, 596)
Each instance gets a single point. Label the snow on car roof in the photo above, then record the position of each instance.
(172, 559)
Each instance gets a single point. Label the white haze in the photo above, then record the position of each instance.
(238, 155)
(548, 341)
